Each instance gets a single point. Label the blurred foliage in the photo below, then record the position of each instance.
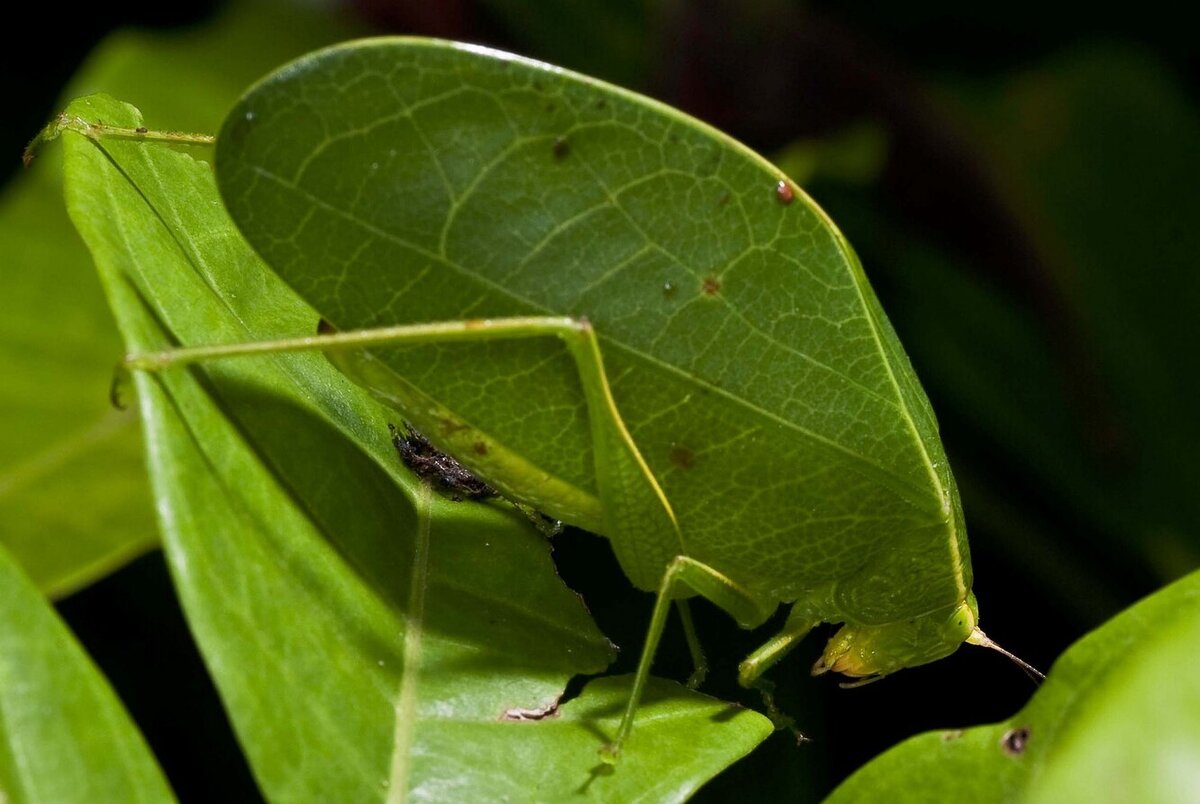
(63, 734)
(73, 499)
(1096, 152)
(1064, 355)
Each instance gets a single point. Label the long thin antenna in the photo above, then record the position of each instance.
(977, 637)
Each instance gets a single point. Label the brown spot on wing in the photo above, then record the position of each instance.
(784, 192)
(681, 456)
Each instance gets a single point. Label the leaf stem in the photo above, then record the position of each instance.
(97, 130)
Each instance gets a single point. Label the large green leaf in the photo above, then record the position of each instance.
(358, 628)
(64, 736)
(60, 439)
(1118, 719)
(73, 502)
(404, 180)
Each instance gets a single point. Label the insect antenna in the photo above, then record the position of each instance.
(977, 637)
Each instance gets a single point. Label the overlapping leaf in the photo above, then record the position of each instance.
(64, 736)
(1118, 719)
(73, 498)
(351, 620)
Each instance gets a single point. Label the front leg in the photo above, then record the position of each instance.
(636, 515)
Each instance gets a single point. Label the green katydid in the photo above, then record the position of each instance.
(618, 316)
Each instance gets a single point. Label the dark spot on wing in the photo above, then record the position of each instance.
(784, 193)
(449, 426)
(681, 456)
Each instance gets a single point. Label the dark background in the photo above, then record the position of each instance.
(975, 227)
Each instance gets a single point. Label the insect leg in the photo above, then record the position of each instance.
(696, 578)
(699, 662)
(799, 622)
(638, 518)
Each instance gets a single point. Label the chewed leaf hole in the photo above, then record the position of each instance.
(519, 714)
(1015, 741)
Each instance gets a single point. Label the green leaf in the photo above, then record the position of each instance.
(350, 619)
(73, 499)
(679, 742)
(1118, 719)
(61, 440)
(64, 736)
(404, 180)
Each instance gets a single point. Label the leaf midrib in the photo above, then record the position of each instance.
(414, 645)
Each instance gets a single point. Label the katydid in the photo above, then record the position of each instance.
(618, 316)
